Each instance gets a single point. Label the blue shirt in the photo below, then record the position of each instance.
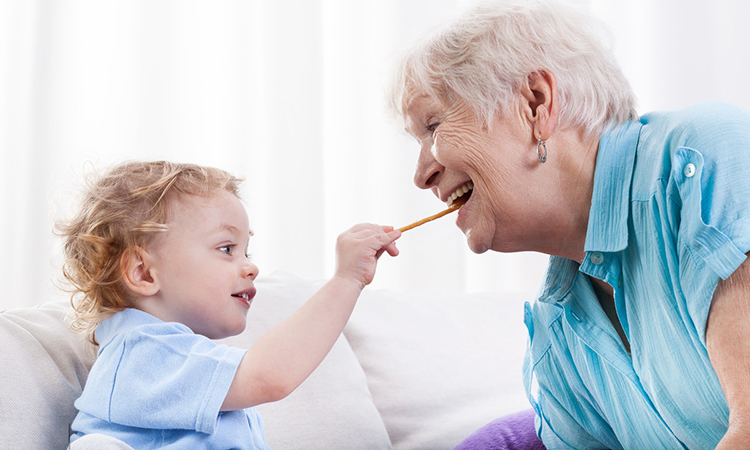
(670, 216)
(157, 384)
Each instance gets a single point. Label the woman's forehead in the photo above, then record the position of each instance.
(421, 104)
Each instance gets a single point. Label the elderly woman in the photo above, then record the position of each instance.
(640, 335)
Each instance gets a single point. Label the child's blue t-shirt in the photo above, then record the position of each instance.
(157, 384)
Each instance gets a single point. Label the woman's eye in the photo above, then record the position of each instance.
(226, 249)
(432, 126)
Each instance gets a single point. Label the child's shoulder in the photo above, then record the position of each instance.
(139, 328)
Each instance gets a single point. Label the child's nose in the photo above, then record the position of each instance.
(249, 270)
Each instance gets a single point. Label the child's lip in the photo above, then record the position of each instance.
(246, 295)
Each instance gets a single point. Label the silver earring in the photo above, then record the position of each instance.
(541, 151)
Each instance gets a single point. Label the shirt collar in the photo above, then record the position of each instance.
(608, 218)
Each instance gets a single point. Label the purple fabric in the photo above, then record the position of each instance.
(512, 432)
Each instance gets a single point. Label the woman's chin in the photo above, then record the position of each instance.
(474, 242)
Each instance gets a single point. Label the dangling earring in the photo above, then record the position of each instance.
(541, 151)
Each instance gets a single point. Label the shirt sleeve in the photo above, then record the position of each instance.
(711, 172)
(168, 379)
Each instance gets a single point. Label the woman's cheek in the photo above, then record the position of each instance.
(456, 144)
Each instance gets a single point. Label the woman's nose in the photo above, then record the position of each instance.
(428, 170)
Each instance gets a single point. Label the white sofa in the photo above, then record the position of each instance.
(412, 371)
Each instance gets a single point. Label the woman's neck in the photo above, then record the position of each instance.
(572, 190)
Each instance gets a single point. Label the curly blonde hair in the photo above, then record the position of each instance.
(125, 208)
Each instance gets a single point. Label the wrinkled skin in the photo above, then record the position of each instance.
(518, 203)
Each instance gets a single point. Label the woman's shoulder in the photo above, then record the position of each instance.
(700, 116)
(703, 111)
(707, 126)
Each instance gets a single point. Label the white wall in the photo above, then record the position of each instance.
(290, 96)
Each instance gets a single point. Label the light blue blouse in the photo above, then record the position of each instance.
(670, 216)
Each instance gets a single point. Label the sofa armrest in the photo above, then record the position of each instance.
(43, 367)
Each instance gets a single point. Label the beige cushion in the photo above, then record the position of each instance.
(440, 366)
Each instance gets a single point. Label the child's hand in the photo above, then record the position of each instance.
(358, 250)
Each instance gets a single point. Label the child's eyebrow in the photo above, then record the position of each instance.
(232, 229)
(227, 227)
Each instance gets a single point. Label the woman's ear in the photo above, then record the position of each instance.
(540, 103)
(137, 272)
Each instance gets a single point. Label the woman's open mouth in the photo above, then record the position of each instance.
(461, 194)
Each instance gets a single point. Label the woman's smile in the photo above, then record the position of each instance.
(461, 194)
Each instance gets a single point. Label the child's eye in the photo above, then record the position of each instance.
(227, 248)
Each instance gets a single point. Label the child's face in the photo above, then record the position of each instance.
(205, 279)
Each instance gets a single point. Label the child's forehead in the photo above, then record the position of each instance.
(180, 202)
(222, 211)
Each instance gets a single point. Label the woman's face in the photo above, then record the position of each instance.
(455, 149)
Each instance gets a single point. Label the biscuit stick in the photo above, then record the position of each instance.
(453, 207)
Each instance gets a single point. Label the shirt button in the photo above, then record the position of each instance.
(597, 258)
(689, 170)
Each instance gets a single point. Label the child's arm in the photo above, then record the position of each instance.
(285, 356)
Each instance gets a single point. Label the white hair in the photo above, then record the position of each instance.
(485, 56)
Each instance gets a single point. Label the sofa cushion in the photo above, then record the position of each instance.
(440, 366)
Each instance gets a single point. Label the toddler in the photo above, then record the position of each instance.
(157, 259)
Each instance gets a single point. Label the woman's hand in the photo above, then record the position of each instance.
(728, 343)
(358, 250)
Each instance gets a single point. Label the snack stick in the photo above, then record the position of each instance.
(453, 207)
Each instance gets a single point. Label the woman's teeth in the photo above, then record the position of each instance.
(463, 189)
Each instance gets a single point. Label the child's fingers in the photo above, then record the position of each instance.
(393, 235)
(392, 249)
(388, 241)
(377, 238)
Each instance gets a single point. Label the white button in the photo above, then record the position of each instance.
(597, 258)
(689, 170)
